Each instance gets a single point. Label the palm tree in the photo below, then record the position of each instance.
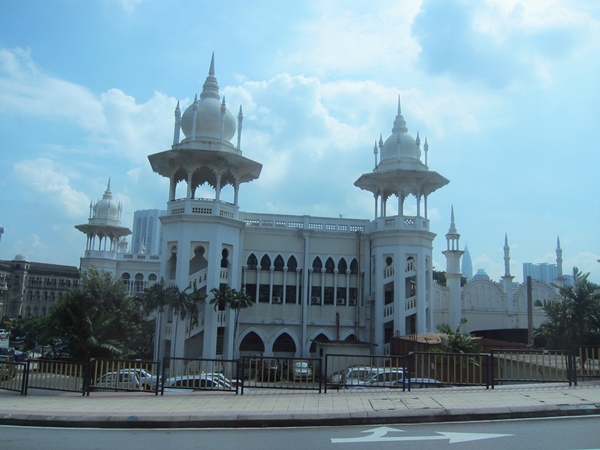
(155, 300)
(574, 319)
(225, 296)
(183, 303)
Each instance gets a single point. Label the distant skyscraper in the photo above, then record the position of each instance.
(147, 232)
(541, 272)
(467, 264)
(1, 233)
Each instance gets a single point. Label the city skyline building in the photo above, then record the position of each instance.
(147, 234)
(467, 264)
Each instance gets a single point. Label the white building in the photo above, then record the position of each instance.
(311, 278)
(147, 232)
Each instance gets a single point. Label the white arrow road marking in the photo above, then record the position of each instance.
(379, 435)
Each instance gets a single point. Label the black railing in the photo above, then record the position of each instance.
(333, 371)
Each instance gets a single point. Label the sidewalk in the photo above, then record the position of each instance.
(273, 408)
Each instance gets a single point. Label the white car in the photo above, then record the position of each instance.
(352, 375)
(124, 380)
(207, 381)
(148, 380)
(386, 377)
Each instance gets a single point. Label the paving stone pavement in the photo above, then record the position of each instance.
(270, 407)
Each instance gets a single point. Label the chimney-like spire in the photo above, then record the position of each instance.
(239, 129)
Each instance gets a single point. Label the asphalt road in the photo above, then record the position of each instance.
(549, 434)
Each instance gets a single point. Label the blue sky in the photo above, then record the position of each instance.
(506, 92)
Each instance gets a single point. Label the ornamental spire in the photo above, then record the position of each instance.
(210, 88)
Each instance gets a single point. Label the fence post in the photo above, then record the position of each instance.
(492, 373)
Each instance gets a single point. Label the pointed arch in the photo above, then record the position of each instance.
(251, 343)
(321, 337)
(342, 265)
(278, 263)
(292, 264)
(265, 262)
(252, 262)
(354, 267)
(317, 264)
(329, 265)
(284, 345)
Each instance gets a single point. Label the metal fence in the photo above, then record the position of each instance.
(456, 369)
(280, 373)
(56, 375)
(527, 366)
(586, 362)
(13, 376)
(365, 371)
(334, 371)
(123, 375)
(200, 374)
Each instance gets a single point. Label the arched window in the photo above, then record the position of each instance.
(284, 344)
(342, 266)
(329, 266)
(139, 283)
(265, 263)
(292, 264)
(354, 267)
(252, 262)
(225, 259)
(278, 263)
(317, 265)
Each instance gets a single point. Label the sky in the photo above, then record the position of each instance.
(505, 91)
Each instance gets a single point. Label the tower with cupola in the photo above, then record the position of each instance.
(401, 241)
(202, 234)
(106, 237)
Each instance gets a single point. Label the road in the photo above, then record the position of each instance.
(549, 434)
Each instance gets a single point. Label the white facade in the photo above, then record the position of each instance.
(311, 278)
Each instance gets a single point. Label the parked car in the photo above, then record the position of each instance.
(269, 369)
(416, 383)
(384, 377)
(226, 381)
(351, 375)
(123, 379)
(300, 369)
(199, 381)
(149, 381)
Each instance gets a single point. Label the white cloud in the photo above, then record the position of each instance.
(41, 175)
(25, 90)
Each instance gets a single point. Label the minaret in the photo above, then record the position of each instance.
(560, 278)
(200, 233)
(404, 239)
(104, 233)
(507, 279)
(453, 274)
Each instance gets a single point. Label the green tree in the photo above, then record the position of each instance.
(575, 318)
(98, 318)
(226, 297)
(457, 341)
(183, 303)
(35, 330)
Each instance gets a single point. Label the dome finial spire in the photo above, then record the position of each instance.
(210, 88)
(399, 105)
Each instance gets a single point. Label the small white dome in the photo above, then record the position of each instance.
(400, 144)
(208, 120)
(21, 257)
(106, 208)
(209, 112)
